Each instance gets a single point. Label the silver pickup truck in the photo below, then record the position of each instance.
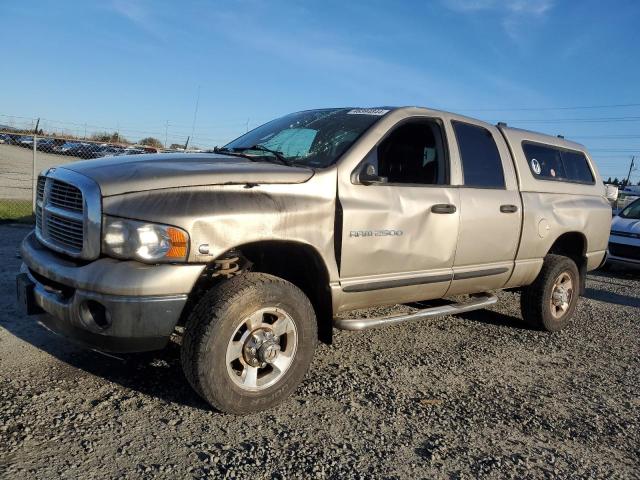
(255, 249)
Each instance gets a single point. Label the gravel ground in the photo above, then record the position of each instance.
(475, 395)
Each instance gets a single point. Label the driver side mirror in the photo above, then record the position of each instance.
(368, 175)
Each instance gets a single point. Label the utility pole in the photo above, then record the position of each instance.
(195, 115)
(626, 183)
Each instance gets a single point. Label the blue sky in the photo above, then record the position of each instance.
(134, 65)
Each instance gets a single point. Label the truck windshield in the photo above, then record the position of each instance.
(314, 138)
(632, 211)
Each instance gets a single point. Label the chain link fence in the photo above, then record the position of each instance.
(30, 145)
(24, 156)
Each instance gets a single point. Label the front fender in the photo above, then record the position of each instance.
(219, 218)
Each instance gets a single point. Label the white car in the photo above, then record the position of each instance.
(624, 242)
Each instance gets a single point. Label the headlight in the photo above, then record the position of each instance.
(147, 242)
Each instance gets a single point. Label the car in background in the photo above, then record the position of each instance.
(65, 148)
(111, 151)
(49, 144)
(25, 141)
(80, 149)
(624, 242)
(133, 151)
(144, 148)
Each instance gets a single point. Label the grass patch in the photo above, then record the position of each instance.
(15, 211)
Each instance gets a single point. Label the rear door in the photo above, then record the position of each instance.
(491, 210)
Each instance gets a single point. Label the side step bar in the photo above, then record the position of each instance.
(476, 302)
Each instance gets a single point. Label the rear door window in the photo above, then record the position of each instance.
(481, 162)
(552, 163)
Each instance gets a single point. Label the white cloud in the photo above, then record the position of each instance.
(140, 13)
(535, 7)
(513, 14)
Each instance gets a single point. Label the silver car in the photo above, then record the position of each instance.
(624, 242)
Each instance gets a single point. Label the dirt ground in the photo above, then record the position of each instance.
(468, 396)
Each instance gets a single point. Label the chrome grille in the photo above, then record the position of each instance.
(40, 189)
(65, 196)
(38, 217)
(65, 231)
(68, 213)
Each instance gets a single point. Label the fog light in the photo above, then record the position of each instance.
(97, 313)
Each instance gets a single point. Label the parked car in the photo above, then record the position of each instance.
(145, 148)
(256, 249)
(25, 141)
(133, 151)
(9, 139)
(48, 144)
(82, 150)
(110, 151)
(65, 148)
(624, 242)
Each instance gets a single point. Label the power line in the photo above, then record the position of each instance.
(575, 120)
(542, 109)
(603, 136)
(615, 150)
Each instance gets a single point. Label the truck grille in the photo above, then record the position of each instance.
(59, 214)
(68, 213)
(65, 232)
(65, 196)
(39, 197)
(624, 251)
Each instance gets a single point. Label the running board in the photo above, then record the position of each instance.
(476, 302)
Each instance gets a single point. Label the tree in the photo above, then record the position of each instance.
(608, 180)
(108, 137)
(151, 142)
(616, 181)
(176, 146)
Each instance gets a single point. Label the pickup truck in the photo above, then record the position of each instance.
(253, 250)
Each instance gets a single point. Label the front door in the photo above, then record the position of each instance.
(399, 233)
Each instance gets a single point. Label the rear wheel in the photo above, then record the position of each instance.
(550, 301)
(249, 342)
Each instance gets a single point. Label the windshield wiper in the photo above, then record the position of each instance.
(278, 155)
(229, 151)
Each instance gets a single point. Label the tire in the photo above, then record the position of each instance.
(229, 322)
(537, 301)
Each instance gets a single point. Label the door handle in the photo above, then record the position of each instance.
(508, 208)
(443, 208)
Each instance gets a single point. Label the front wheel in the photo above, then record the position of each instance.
(249, 342)
(550, 301)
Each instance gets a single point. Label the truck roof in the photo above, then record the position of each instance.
(532, 135)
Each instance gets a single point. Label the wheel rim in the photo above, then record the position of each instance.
(561, 295)
(262, 349)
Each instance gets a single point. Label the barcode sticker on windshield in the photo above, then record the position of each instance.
(367, 111)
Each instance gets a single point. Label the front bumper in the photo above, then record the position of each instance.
(109, 305)
(623, 250)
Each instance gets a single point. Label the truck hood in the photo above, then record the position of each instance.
(136, 173)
